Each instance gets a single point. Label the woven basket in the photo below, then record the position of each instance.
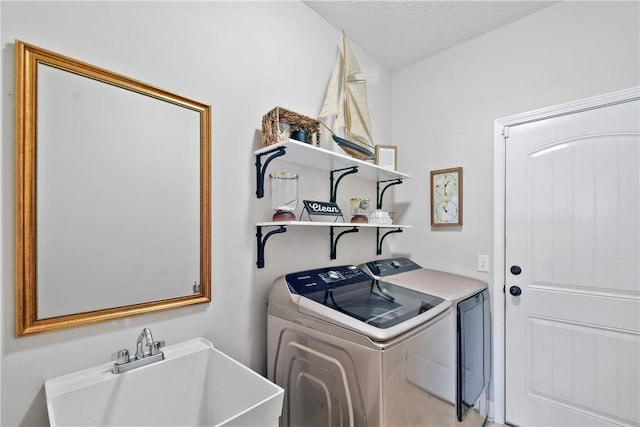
(271, 131)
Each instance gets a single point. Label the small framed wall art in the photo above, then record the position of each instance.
(387, 157)
(446, 197)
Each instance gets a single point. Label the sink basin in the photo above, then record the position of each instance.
(196, 385)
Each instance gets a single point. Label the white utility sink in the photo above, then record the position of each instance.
(196, 385)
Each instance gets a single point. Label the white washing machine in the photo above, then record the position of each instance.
(353, 350)
(467, 371)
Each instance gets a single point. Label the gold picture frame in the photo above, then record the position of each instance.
(387, 157)
(446, 197)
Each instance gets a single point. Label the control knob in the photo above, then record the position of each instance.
(334, 275)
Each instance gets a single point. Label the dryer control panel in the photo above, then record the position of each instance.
(321, 279)
(387, 267)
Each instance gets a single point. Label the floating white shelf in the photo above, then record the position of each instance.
(323, 159)
(328, 224)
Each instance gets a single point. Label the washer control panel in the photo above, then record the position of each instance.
(387, 267)
(320, 279)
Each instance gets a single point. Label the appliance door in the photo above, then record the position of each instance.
(376, 303)
(474, 351)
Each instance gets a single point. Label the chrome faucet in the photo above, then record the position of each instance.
(145, 340)
(145, 335)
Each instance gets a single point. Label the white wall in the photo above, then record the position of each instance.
(243, 59)
(444, 109)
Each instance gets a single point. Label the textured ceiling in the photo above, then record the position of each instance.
(400, 33)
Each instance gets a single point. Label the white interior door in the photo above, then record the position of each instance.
(572, 229)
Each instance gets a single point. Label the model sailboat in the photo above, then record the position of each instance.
(346, 101)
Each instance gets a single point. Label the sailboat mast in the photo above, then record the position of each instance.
(347, 113)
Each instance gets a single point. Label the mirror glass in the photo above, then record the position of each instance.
(112, 204)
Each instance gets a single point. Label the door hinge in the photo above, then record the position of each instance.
(505, 132)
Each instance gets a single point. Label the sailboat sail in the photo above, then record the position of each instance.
(360, 127)
(346, 101)
(332, 98)
(351, 64)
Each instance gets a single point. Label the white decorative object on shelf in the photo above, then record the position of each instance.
(380, 217)
(346, 102)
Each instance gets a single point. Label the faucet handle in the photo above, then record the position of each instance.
(121, 356)
(155, 347)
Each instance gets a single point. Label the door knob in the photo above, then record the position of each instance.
(515, 291)
(515, 270)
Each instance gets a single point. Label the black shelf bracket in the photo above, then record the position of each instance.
(261, 242)
(381, 194)
(261, 169)
(334, 242)
(334, 187)
(381, 239)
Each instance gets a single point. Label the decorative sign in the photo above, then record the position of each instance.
(321, 208)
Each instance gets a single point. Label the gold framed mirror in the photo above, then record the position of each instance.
(112, 203)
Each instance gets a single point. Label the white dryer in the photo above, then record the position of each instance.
(353, 350)
(466, 366)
